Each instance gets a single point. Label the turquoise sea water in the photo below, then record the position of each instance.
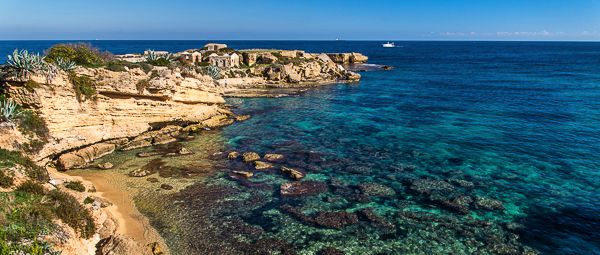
(468, 122)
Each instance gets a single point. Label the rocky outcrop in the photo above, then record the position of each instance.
(348, 58)
(121, 108)
(82, 157)
(120, 245)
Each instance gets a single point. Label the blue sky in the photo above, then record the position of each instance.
(297, 20)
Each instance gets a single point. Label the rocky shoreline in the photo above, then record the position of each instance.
(130, 108)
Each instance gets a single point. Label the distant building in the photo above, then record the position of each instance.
(225, 60)
(215, 46)
(191, 57)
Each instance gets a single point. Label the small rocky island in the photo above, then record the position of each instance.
(75, 104)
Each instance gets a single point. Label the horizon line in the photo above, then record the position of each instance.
(316, 40)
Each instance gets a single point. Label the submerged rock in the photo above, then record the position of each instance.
(292, 173)
(427, 186)
(458, 204)
(140, 172)
(488, 203)
(250, 156)
(376, 190)
(166, 186)
(335, 219)
(105, 166)
(152, 180)
(330, 251)
(305, 188)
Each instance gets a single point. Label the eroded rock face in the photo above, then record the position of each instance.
(82, 157)
(120, 245)
(118, 110)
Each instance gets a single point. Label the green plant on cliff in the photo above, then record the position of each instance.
(75, 185)
(156, 59)
(80, 53)
(65, 64)
(23, 63)
(66, 208)
(85, 87)
(9, 159)
(214, 72)
(24, 220)
(9, 110)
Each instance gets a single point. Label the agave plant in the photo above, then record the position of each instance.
(9, 110)
(24, 63)
(214, 72)
(65, 64)
(152, 56)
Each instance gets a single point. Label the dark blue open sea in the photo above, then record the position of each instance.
(463, 148)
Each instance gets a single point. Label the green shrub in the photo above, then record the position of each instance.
(116, 67)
(24, 220)
(76, 186)
(159, 62)
(85, 87)
(81, 53)
(32, 188)
(6, 180)
(31, 85)
(32, 124)
(202, 64)
(88, 200)
(66, 208)
(12, 158)
(145, 67)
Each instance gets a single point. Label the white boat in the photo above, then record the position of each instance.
(389, 45)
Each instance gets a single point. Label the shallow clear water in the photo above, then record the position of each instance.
(520, 121)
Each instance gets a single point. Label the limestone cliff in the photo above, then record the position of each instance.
(120, 109)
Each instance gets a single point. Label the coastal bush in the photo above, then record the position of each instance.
(116, 67)
(32, 188)
(75, 185)
(160, 62)
(80, 53)
(6, 181)
(11, 158)
(72, 213)
(85, 87)
(203, 64)
(25, 219)
(88, 200)
(30, 123)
